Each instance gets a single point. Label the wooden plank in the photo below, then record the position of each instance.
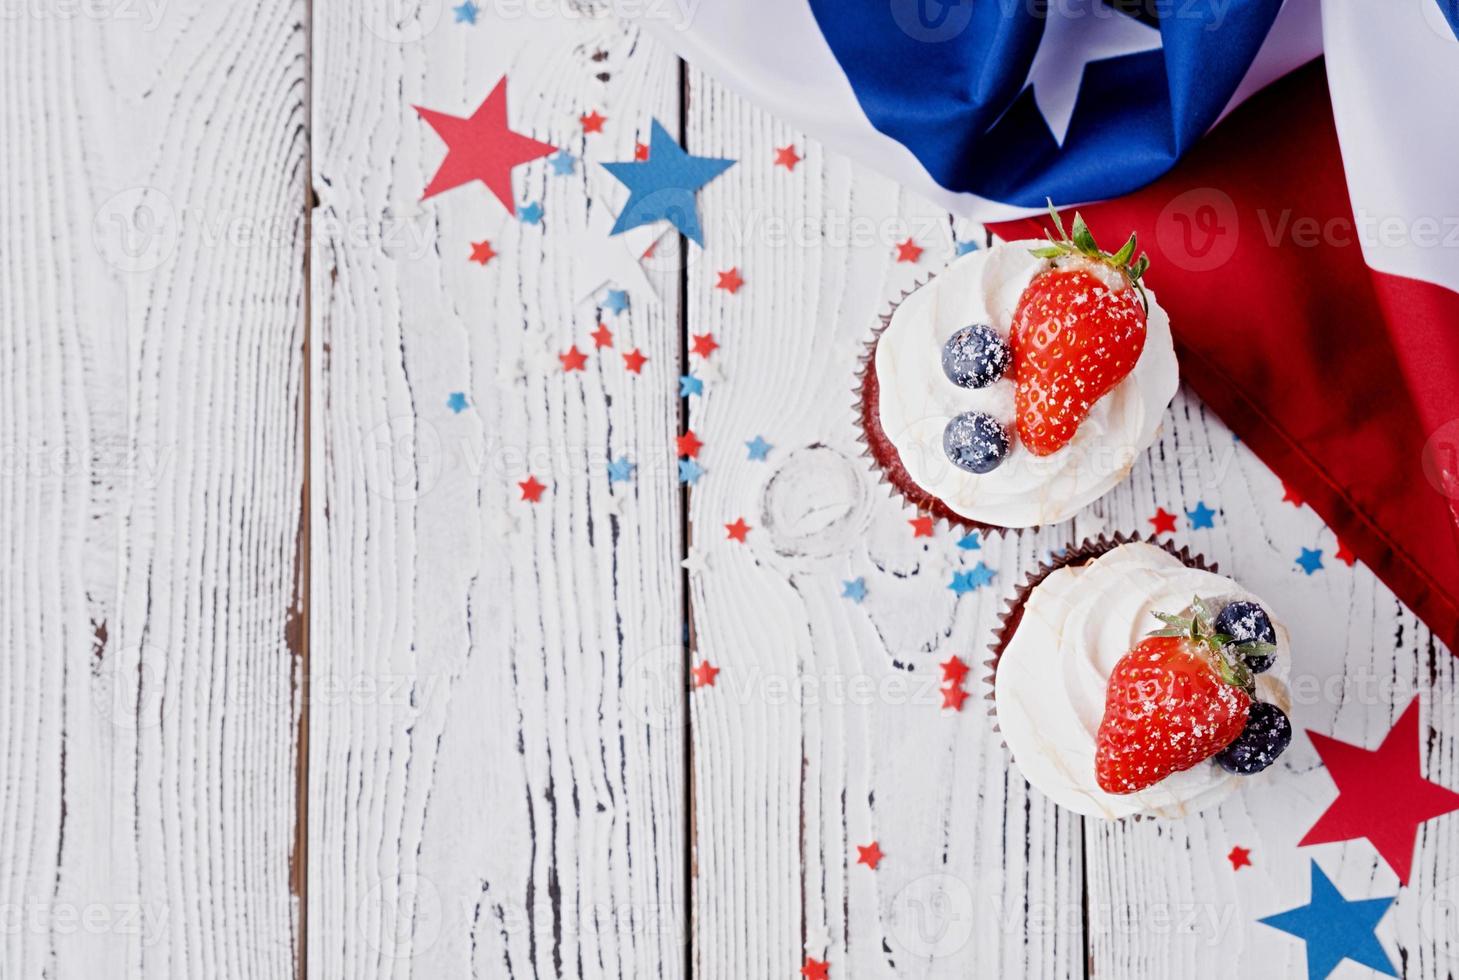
(981, 877)
(498, 778)
(151, 419)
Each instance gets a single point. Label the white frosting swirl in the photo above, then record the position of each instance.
(1052, 676)
(916, 399)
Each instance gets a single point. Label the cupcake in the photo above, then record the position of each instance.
(1020, 384)
(1129, 678)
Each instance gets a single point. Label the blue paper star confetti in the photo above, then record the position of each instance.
(466, 12)
(456, 402)
(1336, 929)
(690, 385)
(1201, 516)
(562, 162)
(854, 589)
(616, 301)
(1310, 560)
(972, 579)
(531, 214)
(759, 448)
(963, 248)
(662, 187)
(690, 471)
(970, 542)
(621, 470)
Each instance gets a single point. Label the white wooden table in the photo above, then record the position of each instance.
(294, 683)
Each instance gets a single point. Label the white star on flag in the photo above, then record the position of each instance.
(1077, 32)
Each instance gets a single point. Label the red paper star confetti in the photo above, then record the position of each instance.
(785, 156)
(704, 674)
(737, 530)
(954, 670)
(1382, 794)
(634, 360)
(909, 251)
(573, 360)
(689, 444)
(481, 253)
(1345, 554)
(1164, 521)
(531, 489)
(815, 969)
(602, 337)
(870, 855)
(592, 122)
(640, 152)
(921, 526)
(482, 147)
(1290, 494)
(1240, 857)
(730, 281)
(704, 345)
(648, 253)
(953, 697)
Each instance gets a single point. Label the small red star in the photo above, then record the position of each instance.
(954, 670)
(640, 151)
(689, 444)
(785, 156)
(648, 253)
(592, 122)
(1382, 793)
(704, 345)
(573, 360)
(1290, 494)
(481, 252)
(730, 281)
(815, 969)
(1240, 857)
(909, 251)
(921, 526)
(602, 337)
(870, 855)
(704, 674)
(634, 360)
(737, 530)
(531, 489)
(1164, 521)
(953, 697)
(481, 147)
(1345, 554)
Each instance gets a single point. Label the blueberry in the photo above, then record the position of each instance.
(1244, 622)
(975, 357)
(1265, 737)
(975, 442)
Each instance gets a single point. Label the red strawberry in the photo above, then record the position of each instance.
(1077, 332)
(1173, 701)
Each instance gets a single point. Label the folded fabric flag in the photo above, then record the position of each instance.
(1288, 166)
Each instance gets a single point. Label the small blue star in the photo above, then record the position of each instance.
(1310, 560)
(972, 579)
(690, 471)
(466, 12)
(970, 542)
(457, 402)
(854, 589)
(662, 187)
(1336, 929)
(621, 470)
(562, 162)
(690, 385)
(1201, 516)
(759, 448)
(616, 302)
(963, 248)
(531, 214)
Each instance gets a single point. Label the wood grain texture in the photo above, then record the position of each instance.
(497, 779)
(151, 423)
